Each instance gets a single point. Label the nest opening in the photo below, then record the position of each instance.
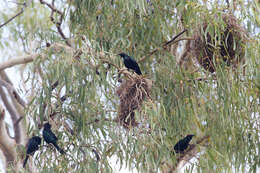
(132, 92)
(216, 44)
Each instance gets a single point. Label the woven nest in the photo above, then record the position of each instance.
(215, 44)
(132, 93)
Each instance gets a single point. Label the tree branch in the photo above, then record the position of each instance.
(13, 92)
(17, 61)
(58, 24)
(174, 38)
(29, 58)
(7, 145)
(13, 113)
(18, 14)
(19, 111)
(164, 46)
(189, 154)
(51, 7)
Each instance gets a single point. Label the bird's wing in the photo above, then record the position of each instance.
(132, 64)
(52, 135)
(49, 136)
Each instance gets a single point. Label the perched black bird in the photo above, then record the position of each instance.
(50, 137)
(183, 144)
(130, 63)
(32, 146)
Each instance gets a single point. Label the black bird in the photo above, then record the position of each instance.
(183, 144)
(130, 63)
(50, 137)
(32, 146)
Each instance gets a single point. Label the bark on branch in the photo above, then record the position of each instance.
(7, 144)
(184, 158)
(29, 58)
(19, 60)
(189, 154)
(14, 93)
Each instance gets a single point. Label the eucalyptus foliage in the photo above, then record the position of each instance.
(224, 106)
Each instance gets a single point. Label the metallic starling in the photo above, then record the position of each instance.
(130, 63)
(183, 144)
(32, 146)
(50, 137)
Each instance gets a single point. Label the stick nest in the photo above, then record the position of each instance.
(219, 43)
(132, 93)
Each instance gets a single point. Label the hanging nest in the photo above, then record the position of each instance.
(215, 44)
(132, 93)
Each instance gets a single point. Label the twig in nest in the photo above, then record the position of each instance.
(132, 93)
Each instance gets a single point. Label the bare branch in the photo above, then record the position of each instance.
(174, 38)
(18, 14)
(58, 24)
(18, 121)
(19, 60)
(51, 7)
(19, 109)
(13, 92)
(29, 58)
(7, 145)
(13, 113)
(165, 45)
(110, 63)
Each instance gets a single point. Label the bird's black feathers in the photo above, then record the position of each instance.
(183, 144)
(50, 137)
(32, 146)
(130, 63)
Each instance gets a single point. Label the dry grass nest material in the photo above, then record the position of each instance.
(132, 92)
(219, 43)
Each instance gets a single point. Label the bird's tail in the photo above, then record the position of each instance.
(58, 148)
(25, 161)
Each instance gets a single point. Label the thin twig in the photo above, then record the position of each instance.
(203, 78)
(165, 45)
(174, 38)
(57, 23)
(97, 120)
(51, 7)
(108, 62)
(18, 14)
